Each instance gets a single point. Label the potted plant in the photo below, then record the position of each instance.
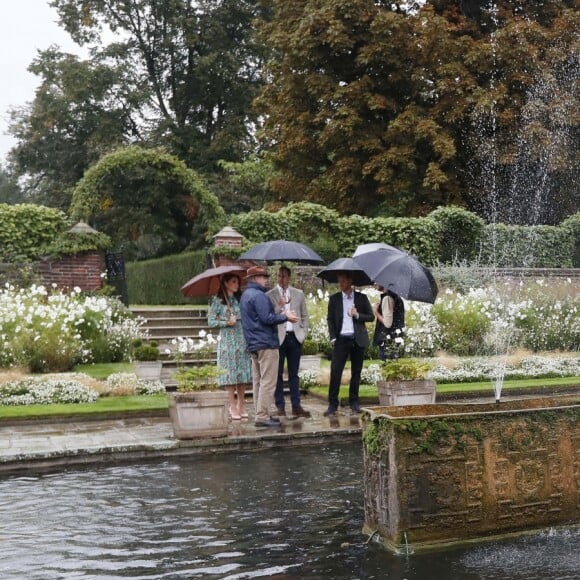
(310, 358)
(146, 357)
(405, 382)
(199, 408)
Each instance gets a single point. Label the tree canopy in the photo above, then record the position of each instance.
(147, 201)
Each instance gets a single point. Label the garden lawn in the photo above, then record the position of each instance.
(369, 391)
(103, 406)
(102, 370)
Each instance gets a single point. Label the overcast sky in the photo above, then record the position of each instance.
(25, 27)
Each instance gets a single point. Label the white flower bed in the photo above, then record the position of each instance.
(36, 391)
(128, 382)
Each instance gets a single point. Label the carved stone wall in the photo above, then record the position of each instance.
(452, 473)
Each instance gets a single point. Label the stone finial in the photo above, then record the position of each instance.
(82, 228)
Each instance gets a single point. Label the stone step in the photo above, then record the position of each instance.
(175, 322)
(162, 312)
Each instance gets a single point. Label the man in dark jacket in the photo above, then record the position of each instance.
(348, 311)
(260, 325)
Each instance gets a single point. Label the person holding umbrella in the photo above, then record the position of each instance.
(232, 353)
(389, 328)
(348, 312)
(260, 326)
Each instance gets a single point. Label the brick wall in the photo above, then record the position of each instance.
(82, 270)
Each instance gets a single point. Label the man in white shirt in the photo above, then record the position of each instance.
(348, 311)
(291, 336)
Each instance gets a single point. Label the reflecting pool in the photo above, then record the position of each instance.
(289, 513)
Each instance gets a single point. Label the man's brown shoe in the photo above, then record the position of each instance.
(300, 412)
(281, 412)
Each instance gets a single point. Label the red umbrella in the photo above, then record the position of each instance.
(208, 282)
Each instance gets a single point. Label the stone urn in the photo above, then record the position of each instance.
(417, 392)
(199, 414)
(310, 361)
(438, 475)
(148, 370)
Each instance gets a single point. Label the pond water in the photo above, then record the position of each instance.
(292, 513)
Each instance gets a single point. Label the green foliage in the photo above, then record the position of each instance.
(10, 191)
(136, 193)
(310, 347)
(405, 369)
(307, 222)
(463, 327)
(159, 281)
(76, 242)
(198, 378)
(572, 224)
(77, 115)
(527, 246)
(188, 71)
(25, 229)
(145, 351)
(460, 235)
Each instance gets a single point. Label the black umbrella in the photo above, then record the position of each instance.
(282, 251)
(330, 273)
(399, 272)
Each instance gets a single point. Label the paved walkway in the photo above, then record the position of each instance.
(32, 446)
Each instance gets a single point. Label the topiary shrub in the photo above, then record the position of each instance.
(572, 224)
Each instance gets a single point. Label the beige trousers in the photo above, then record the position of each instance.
(264, 377)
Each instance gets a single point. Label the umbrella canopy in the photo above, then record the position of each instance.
(364, 248)
(399, 272)
(282, 251)
(208, 282)
(330, 273)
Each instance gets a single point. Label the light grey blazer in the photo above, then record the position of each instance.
(298, 304)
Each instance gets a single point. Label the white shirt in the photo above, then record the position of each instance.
(287, 307)
(347, 304)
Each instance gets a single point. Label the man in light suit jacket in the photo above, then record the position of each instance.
(348, 311)
(291, 336)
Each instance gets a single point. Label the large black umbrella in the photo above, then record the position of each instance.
(399, 272)
(282, 251)
(330, 273)
(208, 282)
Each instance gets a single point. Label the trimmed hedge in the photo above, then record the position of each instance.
(527, 246)
(572, 224)
(158, 281)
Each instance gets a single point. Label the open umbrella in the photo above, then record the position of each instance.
(364, 248)
(330, 273)
(208, 282)
(400, 272)
(282, 251)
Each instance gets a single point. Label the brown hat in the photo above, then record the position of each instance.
(257, 271)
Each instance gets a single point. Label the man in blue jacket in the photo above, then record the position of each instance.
(260, 325)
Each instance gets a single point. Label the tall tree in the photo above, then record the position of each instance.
(10, 191)
(78, 114)
(370, 104)
(195, 59)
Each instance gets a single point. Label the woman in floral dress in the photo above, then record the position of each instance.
(232, 354)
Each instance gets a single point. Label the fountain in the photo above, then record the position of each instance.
(437, 475)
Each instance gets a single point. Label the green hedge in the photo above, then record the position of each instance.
(527, 246)
(159, 281)
(572, 224)
(26, 228)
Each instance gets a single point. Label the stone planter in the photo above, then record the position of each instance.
(148, 370)
(199, 414)
(437, 475)
(394, 393)
(309, 361)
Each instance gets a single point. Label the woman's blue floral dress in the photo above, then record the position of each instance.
(232, 353)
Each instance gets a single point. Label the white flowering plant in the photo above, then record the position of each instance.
(536, 315)
(46, 391)
(49, 330)
(129, 384)
(308, 379)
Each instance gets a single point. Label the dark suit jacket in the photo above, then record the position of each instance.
(334, 317)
